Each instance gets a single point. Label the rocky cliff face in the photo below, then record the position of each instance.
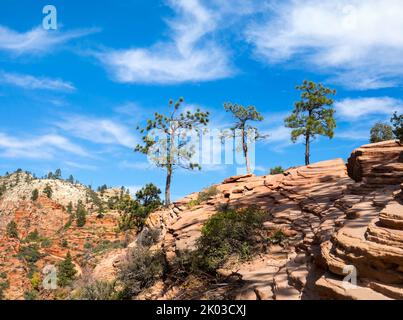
(334, 223)
(57, 234)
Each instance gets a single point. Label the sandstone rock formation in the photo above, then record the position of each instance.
(332, 223)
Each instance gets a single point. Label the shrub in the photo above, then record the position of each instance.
(149, 199)
(36, 281)
(140, 270)
(207, 194)
(276, 170)
(106, 245)
(12, 231)
(33, 236)
(381, 132)
(204, 196)
(64, 243)
(66, 271)
(46, 243)
(30, 253)
(149, 237)
(48, 191)
(131, 214)
(99, 290)
(4, 285)
(81, 215)
(30, 295)
(229, 232)
(35, 195)
(277, 237)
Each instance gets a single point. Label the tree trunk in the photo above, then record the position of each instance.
(245, 151)
(168, 187)
(307, 155)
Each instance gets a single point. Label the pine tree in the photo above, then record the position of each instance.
(81, 214)
(69, 208)
(66, 271)
(148, 197)
(242, 129)
(58, 174)
(310, 116)
(397, 122)
(71, 179)
(12, 231)
(165, 144)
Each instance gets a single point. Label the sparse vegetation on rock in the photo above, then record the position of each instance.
(141, 268)
(277, 170)
(381, 132)
(229, 232)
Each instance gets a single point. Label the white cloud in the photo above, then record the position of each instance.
(30, 82)
(355, 109)
(98, 130)
(40, 147)
(37, 40)
(358, 41)
(190, 55)
(82, 166)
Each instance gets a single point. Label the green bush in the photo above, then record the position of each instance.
(12, 231)
(99, 290)
(278, 237)
(204, 196)
(30, 253)
(48, 191)
(276, 170)
(381, 132)
(229, 232)
(140, 271)
(46, 243)
(33, 237)
(35, 195)
(81, 215)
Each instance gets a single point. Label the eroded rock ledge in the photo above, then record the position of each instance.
(331, 220)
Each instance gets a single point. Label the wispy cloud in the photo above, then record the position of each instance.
(26, 81)
(37, 40)
(136, 165)
(356, 42)
(38, 147)
(81, 166)
(355, 109)
(191, 54)
(98, 130)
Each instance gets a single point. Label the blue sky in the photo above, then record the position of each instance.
(72, 98)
